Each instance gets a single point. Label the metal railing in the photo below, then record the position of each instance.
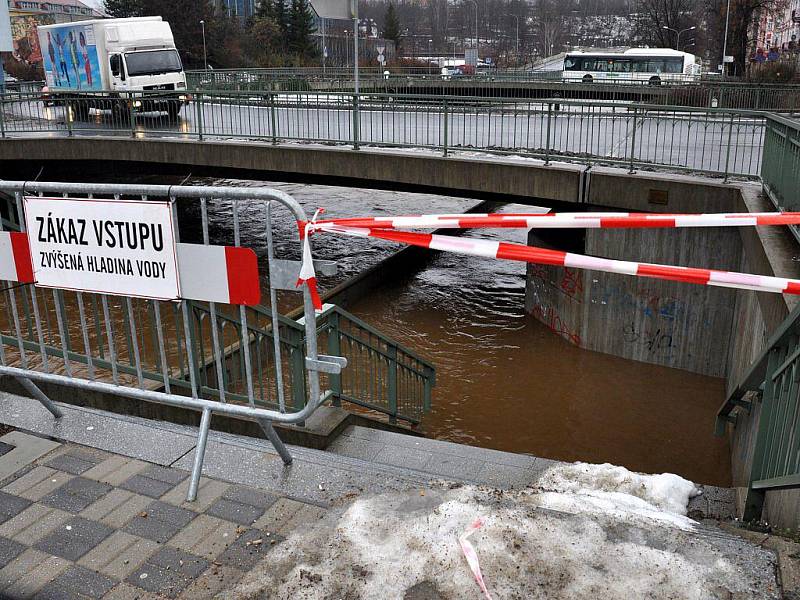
(504, 83)
(713, 141)
(774, 377)
(780, 170)
(146, 349)
(382, 375)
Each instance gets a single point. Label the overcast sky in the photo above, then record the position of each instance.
(93, 3)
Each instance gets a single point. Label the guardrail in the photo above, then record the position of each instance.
(505, 83)
(780, 171)
(382, 375)
(773, 377)
(146, 349)
(712, 141)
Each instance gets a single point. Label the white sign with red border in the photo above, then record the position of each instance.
(119, 247)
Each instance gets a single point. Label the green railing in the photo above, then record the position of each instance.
(381, 375)
(374, 359)
(423, 80)
(775, 378)
(780, 170)
(712, 141)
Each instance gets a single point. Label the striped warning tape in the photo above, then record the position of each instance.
(386, 228)
(583, 220)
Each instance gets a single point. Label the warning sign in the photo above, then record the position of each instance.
(119, 247)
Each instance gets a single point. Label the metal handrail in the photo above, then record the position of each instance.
(596, 132)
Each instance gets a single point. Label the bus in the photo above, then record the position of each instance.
(637, 65)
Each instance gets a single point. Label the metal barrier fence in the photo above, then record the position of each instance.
(780, 170)
(147, 349)
(775, 377)
(503, 83)
(714, 141)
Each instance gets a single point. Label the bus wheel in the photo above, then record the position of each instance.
(655, 81)
(588, 79)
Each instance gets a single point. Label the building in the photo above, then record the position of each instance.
(244, 9)
(27, 15)
(787, 27)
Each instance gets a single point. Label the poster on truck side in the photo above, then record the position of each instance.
(69, 57)
(119, 247)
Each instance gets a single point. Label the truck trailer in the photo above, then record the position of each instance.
(125, 65)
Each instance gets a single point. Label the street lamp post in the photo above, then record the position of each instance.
(725, 43)
(476, 22)
(205, 54)
(430, 53)
(516, 47)
(678, 38)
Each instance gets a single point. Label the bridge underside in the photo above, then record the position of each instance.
(560, 186)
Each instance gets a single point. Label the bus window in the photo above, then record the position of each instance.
(571, 64)
(622, 66)
(674, 65)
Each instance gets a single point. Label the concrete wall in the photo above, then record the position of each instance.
(660, 322)
(713, 331)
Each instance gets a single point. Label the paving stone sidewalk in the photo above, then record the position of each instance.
(82, 523)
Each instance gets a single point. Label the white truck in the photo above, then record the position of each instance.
(124, 65)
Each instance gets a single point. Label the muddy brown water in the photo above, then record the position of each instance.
(504, 380)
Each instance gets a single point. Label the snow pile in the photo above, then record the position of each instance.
(618, 539)
(583, 487)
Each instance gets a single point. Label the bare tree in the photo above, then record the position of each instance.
(549, 26)
(652, 16)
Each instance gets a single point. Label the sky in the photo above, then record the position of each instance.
(93, 3)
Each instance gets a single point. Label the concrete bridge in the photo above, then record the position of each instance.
(557, 185)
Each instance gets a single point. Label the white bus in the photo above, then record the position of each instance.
(651, 65)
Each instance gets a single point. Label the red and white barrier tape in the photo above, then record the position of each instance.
(536, 255)
(472, 556)
(583, 220)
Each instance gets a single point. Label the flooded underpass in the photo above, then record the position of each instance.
(504, 380)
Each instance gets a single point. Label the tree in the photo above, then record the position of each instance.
(122, 8)
(741, 29)
(275, 10)
(301, 28)
(655, 15)
(264, 42)
(391, 25)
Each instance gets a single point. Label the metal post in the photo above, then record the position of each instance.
(356, 88)
(276, 441)
(68, 116)
(334, 349)
(39, 395)
(131, 115)
(391, 352)
(445, 117)
(547, 145)
(273, 118)
(728, 153)
(725, 43)
(199, 454)
(633, 142)
(2, 114)
(198, 102)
